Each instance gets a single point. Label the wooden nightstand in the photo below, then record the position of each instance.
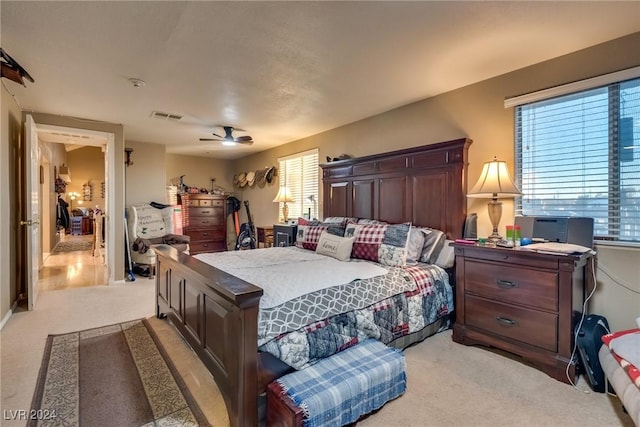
(521, 302)
(265, 236)
(284, 234)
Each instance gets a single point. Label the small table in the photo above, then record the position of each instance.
(265, 236)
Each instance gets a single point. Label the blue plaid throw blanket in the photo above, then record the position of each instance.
(340, 389)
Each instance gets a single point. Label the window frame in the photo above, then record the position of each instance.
(615, 174)
(308, 184)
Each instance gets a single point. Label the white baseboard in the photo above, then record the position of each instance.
(8, 315)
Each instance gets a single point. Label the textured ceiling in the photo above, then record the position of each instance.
(279, 70)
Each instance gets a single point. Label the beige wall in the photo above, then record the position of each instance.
(10, 130)
(86, 166)
(198, 171)
(144, 179)
(476, 111)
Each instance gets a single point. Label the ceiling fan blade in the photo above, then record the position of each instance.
(210, 139)
(243, 138)
(247, 142)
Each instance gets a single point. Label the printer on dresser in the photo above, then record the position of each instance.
(205, 221)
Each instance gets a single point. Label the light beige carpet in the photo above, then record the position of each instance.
(454, 385)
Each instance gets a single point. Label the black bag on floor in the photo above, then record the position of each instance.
(588, 342)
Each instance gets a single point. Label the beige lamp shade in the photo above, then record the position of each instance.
(494, 182)
(284, 197)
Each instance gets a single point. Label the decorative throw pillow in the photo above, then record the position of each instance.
(339, 220)
(382, 243)
(370, 221)
(308, 235)
(434, 240)
(447, 256)
(335, 246)
(305, 221)
(414, 245)
(149, 222)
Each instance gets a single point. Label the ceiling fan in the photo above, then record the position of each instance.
(228, 138)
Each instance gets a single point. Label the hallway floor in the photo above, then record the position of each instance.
(73, 269)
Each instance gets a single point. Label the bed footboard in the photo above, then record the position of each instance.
(217, 314)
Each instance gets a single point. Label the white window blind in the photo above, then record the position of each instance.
(299, 173)
(579, 155)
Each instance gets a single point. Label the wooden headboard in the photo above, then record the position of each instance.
(425, 185)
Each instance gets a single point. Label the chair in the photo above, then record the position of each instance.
(147, 226)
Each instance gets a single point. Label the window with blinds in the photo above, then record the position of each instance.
(299, 173)
(579, 155)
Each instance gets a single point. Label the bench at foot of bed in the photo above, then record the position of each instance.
(340, 389)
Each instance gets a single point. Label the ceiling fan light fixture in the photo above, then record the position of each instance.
(228, 143)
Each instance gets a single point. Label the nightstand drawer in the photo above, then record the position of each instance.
(535, 288)
(510, 256)
(530, 326)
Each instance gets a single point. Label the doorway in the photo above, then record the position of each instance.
(75, 259)
(73, 228)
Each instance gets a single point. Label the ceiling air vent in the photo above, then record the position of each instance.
(165, 116)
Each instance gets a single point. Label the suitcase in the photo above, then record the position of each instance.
(588, 342)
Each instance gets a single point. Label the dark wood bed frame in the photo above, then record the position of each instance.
(217, 313)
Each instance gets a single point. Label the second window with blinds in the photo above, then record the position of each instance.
(299, 173)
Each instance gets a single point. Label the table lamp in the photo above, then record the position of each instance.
(284, 196)
(494, 182)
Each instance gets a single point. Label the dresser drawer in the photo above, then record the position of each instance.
(209, 234)
(535, 288)
(207, 221)
(534, 327)
(206, 212)
(204, 202)
(197, 247)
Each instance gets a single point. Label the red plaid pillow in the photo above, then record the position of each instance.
(308, 236)
(383, 243)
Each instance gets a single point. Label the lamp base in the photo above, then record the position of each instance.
(495, 213)
(285, 212)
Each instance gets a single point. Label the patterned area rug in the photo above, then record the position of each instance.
(73, 245)
(116, 375)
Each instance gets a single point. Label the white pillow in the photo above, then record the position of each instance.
(335, 246)
(447, 256)
(414, 245)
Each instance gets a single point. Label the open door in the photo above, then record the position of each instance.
(31, 223)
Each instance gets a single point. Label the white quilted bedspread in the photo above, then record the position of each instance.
(289, 272)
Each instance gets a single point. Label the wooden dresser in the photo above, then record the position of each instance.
(521, 302)
(204, 220)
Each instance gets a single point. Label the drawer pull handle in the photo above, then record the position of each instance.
(506, 284)
(506, 321)
(205, 212)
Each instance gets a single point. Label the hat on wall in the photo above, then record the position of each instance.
(235, 179)
(261, 177)
(270, 174)
(242, 179)
(251, 177)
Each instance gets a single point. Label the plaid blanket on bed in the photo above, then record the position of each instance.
(340, 389)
